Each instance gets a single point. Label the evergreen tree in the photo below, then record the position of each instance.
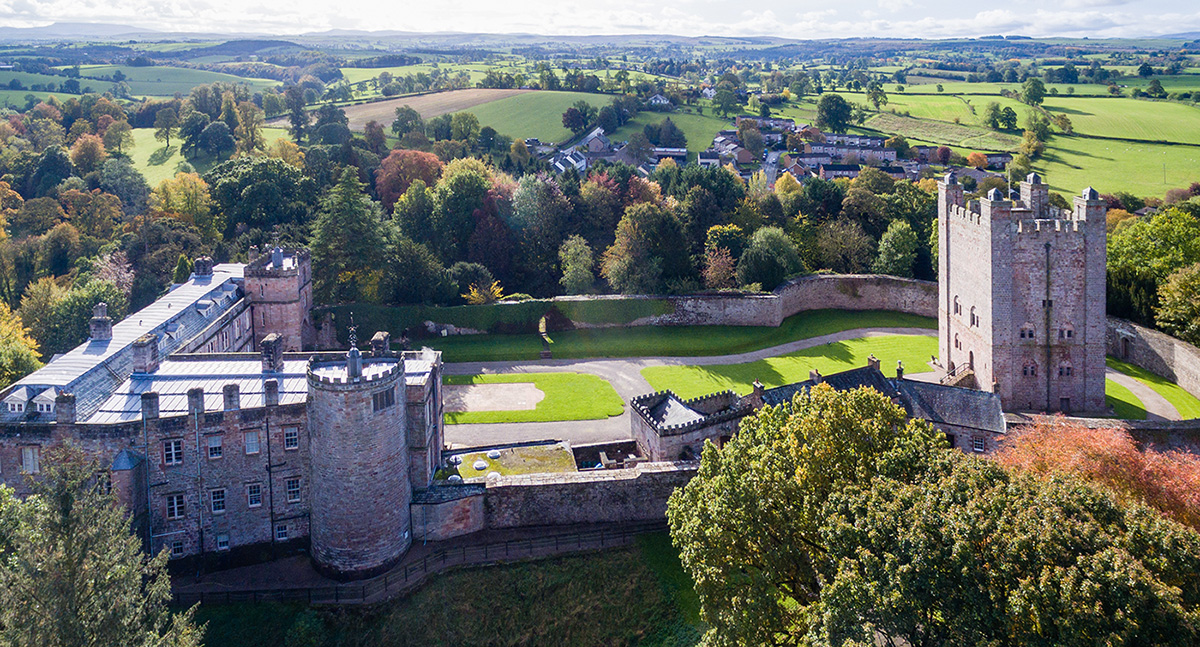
(75, 576)
(347, 243)
(577, 261)
(183, 269)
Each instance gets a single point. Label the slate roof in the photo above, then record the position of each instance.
(941, 404)
(673, 412)
(844, 381)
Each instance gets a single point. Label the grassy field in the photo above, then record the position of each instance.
(1124, 403)
(668, 341)
(942, 132)
(1072, 163)
(694, 381)
(157, 162)
(1130, 118)
(428, 105)
(165, 81)
(1185, 403)
(16, 98)
(639, 595)
(569, 396)
(537, 459)
(699, 129)
(534, 114)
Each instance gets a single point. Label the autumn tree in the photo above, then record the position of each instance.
(720, 271)
(88, 153)
(18, 349)
(249, 128)
(186, 196)
(76, 576)
(400, 169)
(977, 159)
(166, 122)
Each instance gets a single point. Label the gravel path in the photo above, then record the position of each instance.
(1157, 407)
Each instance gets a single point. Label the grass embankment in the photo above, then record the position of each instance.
(695, 381)
(1185, 403)
(534, 114)
(536, 459)
(1124, 403)
(569, 396)
(638, 595)
(668, 341)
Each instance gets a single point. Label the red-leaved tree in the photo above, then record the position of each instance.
(399, 169)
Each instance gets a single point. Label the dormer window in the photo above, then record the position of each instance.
(15, 407)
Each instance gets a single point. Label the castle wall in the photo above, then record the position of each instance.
(281, 297)
(633, 494)
(1156, 352)
(440, 520)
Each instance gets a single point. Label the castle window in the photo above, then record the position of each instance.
(977, 445)
(957, 307)
(957, 344)
(384, 399)
(172, 452)
(222, 542)
(974, 318)
(217, 500)
(215, 450)
(254, 495)
(1027, 331)
(251, 438)
(174, 506)
(1029, 370)
(31, 458)
(1066, 332)
(1064, 370)
(293, 490)
(291, 438)
(281, 532)
(176, 549)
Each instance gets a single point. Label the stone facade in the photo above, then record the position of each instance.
(1022, 296)
(279, 289)
(667, 428)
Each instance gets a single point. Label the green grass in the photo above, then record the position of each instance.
(942, 132)
(533, 114)
(695, 381)
(1130, 118)
(1185, 403)
(537, 459)
(668, 341)
(625, 596)
(699, 129)
(158, 162)
(1124, 403)
(16, 98)
(1072, 163)
(569, 396)
(162, 80)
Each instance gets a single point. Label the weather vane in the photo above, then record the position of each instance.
(353, 332)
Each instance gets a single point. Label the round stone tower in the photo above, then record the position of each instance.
(360, 490)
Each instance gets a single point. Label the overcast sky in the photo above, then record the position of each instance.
(787, 18)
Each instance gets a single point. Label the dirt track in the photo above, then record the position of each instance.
(429, 105)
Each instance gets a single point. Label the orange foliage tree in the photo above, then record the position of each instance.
(1168, 481)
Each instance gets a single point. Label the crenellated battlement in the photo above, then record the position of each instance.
(332, 376)
(1049, 225)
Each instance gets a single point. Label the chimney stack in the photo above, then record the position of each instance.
(815, 376)
(900, 370)
(145, 353)
(64, 408)
(150, 405)
(272, 353)
(195, 401)
(381, 344)
(872, 361)
(759, 390)
(271, 393)
(252, 254)
(233, 399)
(203, 266)
(100, 326)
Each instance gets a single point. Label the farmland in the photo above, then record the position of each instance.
(157, 162)
(429, 105)
(164, 81)
(699, 129)
(533, 114)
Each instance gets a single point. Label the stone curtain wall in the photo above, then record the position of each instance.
(636, 494)
(1156, 352)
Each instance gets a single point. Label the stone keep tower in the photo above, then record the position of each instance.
(279, 288)
(1022, 295)
(360, 486)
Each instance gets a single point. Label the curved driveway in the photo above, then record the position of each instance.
(625, 374)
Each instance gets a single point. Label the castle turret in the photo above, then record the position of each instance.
(360, 484)
(279, 288)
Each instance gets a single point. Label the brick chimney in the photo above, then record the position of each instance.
(203, 266)
(150, 405)
(815, 376)
(64, 409)
(900, 370)
(381, 344)
(759, 390)
(272, 353)
(872, 361)
(145, 353)
(252, 254)
(271, 393)
(100, 326)
(233, 398)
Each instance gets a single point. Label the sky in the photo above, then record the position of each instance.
(784, 18)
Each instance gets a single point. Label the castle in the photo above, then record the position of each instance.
(221, 446)
(1021, 302)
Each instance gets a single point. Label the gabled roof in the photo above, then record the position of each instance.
(941, 404)
(867, 376)
(22, 394)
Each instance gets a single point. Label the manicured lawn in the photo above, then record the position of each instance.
(569, 396)
(626, 596)
(158, 162)
(699, 129)
(694, 381)
(1124, 403)
(1185, 403)
(668, 341)
(534, 114)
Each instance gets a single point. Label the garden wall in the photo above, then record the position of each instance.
(815, 292)
(1156, 352)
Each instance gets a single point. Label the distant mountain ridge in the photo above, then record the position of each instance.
(76, 30)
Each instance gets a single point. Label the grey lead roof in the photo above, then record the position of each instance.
(941, 404)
